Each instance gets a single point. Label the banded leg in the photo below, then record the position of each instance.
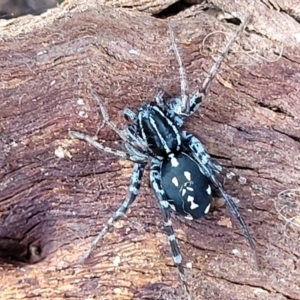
(155, 179)
(128, 113)
(132, 154)
(197, 148)
(161, 98)
(235, 211)
(134, 187)
(105, 116)
(200, 95)
(209, 169)
(136, 142)
(132, 141)
(92, 142)
(185, 103)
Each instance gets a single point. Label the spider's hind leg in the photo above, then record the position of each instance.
(155, 178)
(134, 187)
(210, 169)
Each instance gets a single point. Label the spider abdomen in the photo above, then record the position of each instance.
(160, 133)
(187, 188)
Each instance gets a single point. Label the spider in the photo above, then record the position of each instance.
(182, 174)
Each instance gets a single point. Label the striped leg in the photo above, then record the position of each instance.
(132, 154)
(134, 187)
(130, 115)
(200, 95)
(185, 104)
(105, 116)
(204, 158)
(209, 169)
(160, 98)
(155, 179)
(92, 142)
(127, 135)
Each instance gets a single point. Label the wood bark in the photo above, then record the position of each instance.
(56, 193)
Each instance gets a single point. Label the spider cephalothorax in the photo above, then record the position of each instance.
(182, 173)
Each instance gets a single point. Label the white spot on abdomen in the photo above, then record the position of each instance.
(174, 162)
(175, 181)
(208, 190)
(183, 192)
(193, 204)
(207, 208)
(187, 175)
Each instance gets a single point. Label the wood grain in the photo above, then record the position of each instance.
(56, 193)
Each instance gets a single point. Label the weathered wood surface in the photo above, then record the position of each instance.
(15, 8)
(56, 193)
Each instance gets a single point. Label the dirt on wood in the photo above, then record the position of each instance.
(56, 193)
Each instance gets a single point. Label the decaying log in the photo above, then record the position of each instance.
(56, 193)
(15, 8)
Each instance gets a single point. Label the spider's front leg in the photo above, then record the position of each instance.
(156, 182)
(210, 169)
(98, 146)
(134, 187)
(187, 106)
(200, 95)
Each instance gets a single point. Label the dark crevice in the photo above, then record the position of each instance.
(293, 137)
(273, 108)
(251, 285)
(235, 21)
(219, 157)
(183, 5)
(290, 13)
(173, 10)
(270, 291)
(243, 168)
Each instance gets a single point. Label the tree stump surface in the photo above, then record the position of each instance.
(56, 193)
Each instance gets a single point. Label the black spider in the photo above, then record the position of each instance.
(182, 173)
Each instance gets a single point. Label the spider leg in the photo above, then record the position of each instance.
(155, 179)
(160, 98)
(132, 154)
(242, 180)
(105, 116)
(128, 113)
(203, 157)
(135, 141)
(134, 187)
(92, 142)
(201, 94)
(210, 169)
(185, 104)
